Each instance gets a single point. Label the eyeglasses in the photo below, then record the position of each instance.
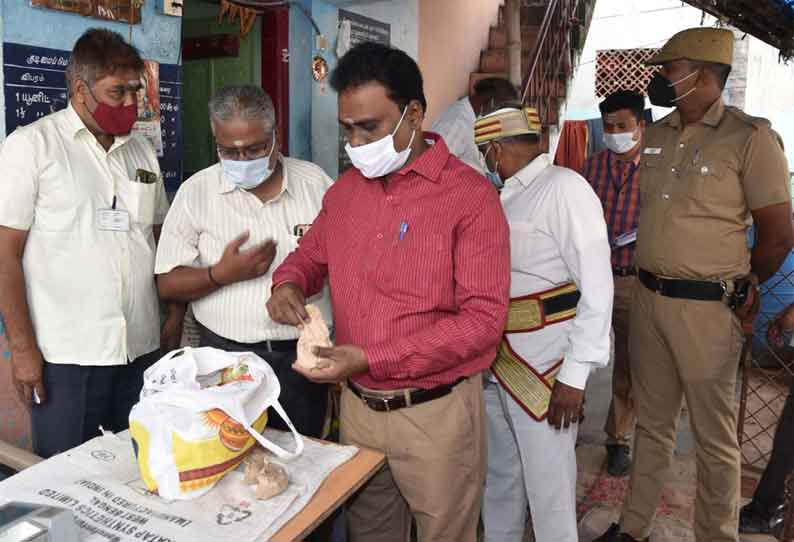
(251, 152)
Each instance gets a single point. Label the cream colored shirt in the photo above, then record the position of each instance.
(209, 211)
(558, 235)
(91, 293)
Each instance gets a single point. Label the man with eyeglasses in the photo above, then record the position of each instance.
(81, 201)
(229, 226)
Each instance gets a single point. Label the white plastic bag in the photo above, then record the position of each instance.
(201, 411)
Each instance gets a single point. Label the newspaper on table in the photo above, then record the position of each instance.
(99, 481)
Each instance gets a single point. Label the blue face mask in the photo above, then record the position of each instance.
(493, 176)
(248, 174)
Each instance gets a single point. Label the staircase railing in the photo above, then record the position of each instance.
(553, 43)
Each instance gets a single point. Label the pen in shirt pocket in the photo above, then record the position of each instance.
(403, 230)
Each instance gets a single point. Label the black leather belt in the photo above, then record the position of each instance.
(699, 290)
(624, 271)
(402, 400)
(208, 338)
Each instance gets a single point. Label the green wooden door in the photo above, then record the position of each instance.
(203, 77)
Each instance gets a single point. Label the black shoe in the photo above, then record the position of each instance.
(753, 520)
(618, 459)
(613, 534)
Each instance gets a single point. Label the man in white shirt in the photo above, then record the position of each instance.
(229, 226)
(557, 331)
(456, 124)
(81, 201)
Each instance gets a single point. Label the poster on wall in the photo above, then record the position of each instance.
(35, 85)
(126, 11)
(148, 125)
(361, 29)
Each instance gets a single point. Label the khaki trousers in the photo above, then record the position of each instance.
(684, 349)
(434, 472)
(622, 417)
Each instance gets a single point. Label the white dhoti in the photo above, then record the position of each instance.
(529, 463)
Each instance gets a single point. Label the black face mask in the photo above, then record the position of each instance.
(661, 91)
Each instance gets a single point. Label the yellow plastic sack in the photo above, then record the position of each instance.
(201, 410)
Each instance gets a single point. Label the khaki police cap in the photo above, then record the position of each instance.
(700, 44)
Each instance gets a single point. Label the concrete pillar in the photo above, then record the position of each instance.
(513, 27)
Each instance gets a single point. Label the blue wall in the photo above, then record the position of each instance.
(158, 36)
(323, 129)
(301, 52)
(324, 125)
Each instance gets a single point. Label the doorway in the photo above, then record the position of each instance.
(259, 58)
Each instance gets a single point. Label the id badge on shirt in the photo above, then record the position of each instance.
(625, 239)
(113, 220)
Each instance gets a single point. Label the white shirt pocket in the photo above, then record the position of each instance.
(142, 202)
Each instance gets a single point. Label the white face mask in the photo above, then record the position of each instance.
(380, 157)
(620, 143)
(248, 174)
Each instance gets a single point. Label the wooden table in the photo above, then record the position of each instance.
(334, 491)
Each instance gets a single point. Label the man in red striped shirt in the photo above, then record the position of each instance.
(614, 175)
(415, 247)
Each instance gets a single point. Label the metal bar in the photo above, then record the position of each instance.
(544, 29)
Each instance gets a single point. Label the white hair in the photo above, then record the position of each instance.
(247, 102)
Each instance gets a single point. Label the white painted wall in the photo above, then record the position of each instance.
(761, 86)
(451, 35)
(769, 88)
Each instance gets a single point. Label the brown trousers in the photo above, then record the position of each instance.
(622, 417)
(685, 349)
(434, 472)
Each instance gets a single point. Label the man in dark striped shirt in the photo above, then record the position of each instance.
(614, 175)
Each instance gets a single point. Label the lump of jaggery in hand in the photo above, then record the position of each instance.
(314, 333)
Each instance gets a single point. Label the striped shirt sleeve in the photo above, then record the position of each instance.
(178, 244)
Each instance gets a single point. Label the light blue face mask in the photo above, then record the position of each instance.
(248, 174)
(493, 176)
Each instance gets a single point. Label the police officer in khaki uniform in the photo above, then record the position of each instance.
(706, 170)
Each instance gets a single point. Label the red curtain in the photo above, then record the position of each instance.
(572, 147)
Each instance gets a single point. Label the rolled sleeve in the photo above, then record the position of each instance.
(766, 176)
(19, 182)
(178, 244)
